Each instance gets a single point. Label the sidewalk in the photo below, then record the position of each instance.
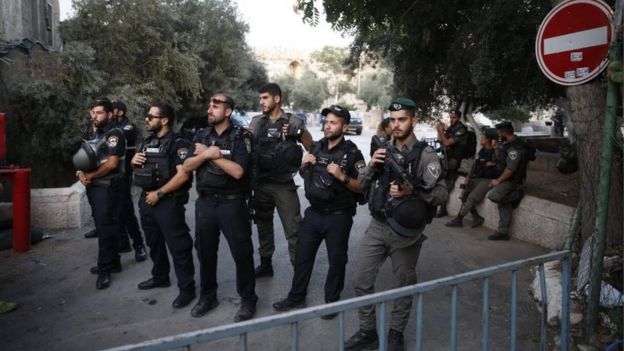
(60, 309)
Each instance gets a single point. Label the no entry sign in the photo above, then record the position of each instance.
(573, 41)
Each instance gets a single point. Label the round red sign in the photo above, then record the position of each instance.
(573, 41)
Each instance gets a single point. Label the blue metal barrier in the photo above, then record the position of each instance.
(380, 299)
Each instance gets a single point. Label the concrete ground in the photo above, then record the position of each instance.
(60, 309)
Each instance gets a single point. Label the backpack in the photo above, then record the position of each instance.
(471, 144)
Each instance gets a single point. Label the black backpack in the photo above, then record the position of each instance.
(471, 144)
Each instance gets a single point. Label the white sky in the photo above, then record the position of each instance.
(273, 23)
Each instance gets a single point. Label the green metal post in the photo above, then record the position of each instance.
(603, 198)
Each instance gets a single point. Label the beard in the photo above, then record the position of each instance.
(402, 135)
(214, 120)
(329, 135)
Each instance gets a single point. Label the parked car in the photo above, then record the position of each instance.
(240, 118)
(356, 123)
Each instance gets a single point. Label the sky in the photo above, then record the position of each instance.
(273, 23)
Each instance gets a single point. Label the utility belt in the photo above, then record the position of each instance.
(325, 212)
(220, 197)
(106, 182)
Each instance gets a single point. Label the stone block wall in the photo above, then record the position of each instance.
(537, 221)
(60, 208)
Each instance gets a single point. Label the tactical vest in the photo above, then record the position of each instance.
(379, 194)
(480, 170)
(518, 144)
(321, 188)
(455, 151)
(213, 179)
(105, 153)
(131, 140)
(159, 166)
(277, 156)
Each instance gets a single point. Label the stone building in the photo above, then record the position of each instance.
(36, 21)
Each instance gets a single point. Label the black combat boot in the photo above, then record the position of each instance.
(265, 269)
(455, 222)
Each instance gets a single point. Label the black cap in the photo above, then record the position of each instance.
(490, 133)
(409, 217)
(505, 125)
(118, 104)
(455, 111)
(338, 111)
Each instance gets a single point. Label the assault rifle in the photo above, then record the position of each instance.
(393, 162)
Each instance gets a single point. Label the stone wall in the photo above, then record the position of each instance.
(60, 208)
(537, 221)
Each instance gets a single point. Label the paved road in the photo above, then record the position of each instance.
(60, 309)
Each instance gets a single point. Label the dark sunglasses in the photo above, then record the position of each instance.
(218, 101)
(150, 117)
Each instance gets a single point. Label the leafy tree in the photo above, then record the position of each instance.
(334, 66)
(376, 88)
(304, 94)
(46, 111)
(166, 50)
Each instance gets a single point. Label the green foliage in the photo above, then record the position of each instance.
(177, 51)
(510, 113)
(46, 112)
(376, 88)
(304, 94)
(480, 52)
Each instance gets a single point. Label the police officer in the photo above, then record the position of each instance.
(330, 174)
(454, 140)
(128, 224)
(478, 181)
(88, 133)
(103, 190)
(507, 190)
(278, 157)
(159, 171)
(399, 216)
(222, 157)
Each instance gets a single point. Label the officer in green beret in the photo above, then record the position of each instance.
(399, 216)
(477, 184)
(507, 188)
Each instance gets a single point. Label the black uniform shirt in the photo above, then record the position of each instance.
(240, 150)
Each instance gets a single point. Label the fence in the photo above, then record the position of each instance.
(381, 299)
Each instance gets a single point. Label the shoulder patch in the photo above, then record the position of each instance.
(112, 140)
(513, 155)
(182, 153)
(128, 127)
(434, 169)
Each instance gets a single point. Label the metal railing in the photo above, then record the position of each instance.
(186, 340)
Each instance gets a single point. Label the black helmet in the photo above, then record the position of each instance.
(87, 158)
(288, 155)
(408, 217)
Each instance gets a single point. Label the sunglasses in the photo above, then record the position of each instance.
(219, 101)
(150, 117)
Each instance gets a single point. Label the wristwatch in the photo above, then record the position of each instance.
(160, 194)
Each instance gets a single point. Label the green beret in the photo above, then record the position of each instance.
(504, 125)
(490, 133)
(401, 104)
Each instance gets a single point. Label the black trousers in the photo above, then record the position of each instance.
(104, 201)
(128, 224)
(165, 227)
(231, 216)
(335, 230)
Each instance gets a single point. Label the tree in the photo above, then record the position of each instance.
(333, 63)
(166, 50)
(304, 94)
(376, 88)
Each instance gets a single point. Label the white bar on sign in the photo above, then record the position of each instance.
(576, 41)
